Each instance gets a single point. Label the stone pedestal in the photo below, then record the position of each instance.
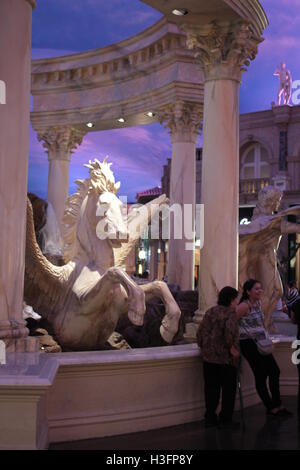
(59, 143)
(15, 65)
(183, 120)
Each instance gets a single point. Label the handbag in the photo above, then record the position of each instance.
(264, 346)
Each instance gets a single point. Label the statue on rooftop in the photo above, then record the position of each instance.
(285, 84)
(259, 243)
(83, 299)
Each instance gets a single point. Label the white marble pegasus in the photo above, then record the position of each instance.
(259, 243)
(83, 300)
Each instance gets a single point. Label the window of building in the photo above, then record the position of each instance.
(255, 163)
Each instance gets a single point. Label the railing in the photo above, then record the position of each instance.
(253, 186)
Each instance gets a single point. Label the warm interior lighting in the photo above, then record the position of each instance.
(180, 12)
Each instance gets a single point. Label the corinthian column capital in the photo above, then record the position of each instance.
(183, 120)
(224, 49)
(59, 142)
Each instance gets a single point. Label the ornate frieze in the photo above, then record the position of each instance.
(102, 71)
(59, 142)
(224, 50)
(183, 119)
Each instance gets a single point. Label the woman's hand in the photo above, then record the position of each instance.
(234, 352)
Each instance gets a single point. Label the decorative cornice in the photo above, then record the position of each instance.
(60, 141)
(183, 119)
(224, 50)
(32, 3)
(66, 76)
(131, 45)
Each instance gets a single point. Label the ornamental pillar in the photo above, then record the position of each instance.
(59, 143)
(15, 74)
(184, 122)
(224, 50)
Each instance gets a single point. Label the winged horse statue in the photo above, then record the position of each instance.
(83, 300)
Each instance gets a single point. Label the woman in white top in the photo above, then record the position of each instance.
(252, 328)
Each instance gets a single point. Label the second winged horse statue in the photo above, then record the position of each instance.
(83, 300)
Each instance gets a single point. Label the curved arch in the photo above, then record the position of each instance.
(128, 79)
(250, 11)
(257, 165)
(259, 140)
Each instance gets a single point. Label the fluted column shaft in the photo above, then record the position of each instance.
(183, 121)
(59, 143)
(223, 51)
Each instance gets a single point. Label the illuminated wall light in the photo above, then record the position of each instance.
(150, 114)
(90, 124)
(121, 119)
(180, 12)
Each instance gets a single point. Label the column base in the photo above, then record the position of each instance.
(191, 329)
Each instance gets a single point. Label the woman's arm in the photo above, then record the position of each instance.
(242, 310)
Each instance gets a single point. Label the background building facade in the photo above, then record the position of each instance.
(269, 155)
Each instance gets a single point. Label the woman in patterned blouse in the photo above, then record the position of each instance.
(252, 328)
(218, 338)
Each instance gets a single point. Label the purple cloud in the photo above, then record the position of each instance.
(138, 153)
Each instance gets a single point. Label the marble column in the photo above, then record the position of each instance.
(59, 143)
(223, 51)
(183, 121)
(15, 72)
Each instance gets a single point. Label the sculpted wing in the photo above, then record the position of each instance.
(45, 284)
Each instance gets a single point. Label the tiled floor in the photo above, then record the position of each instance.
(261, 433)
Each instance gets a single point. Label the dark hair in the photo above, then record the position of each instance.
(227, 295)
(246, 287)
(292, 284)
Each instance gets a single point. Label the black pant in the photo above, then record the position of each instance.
(263, 367)
(219, 377)
(298, 367)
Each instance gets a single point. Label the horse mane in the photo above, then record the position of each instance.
(70, 218)
(101, 179)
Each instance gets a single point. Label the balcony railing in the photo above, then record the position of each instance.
(253, 186)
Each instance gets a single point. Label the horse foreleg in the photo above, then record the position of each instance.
(102, 293)
(170, 322)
